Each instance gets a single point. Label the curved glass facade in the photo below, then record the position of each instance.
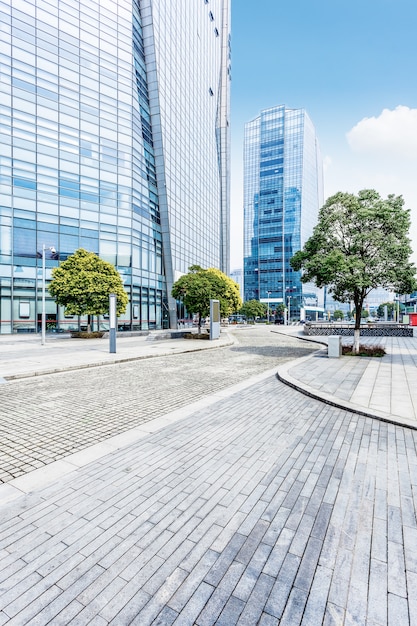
(283, 192)
(110, 142)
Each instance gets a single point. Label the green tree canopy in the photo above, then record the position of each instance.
(199, 286)
(360, 243)
(82, 284)
(252, 309)
(338, 314)
(390, 309)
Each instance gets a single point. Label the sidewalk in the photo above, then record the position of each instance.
(259, 506)
(24, 356)
(376, 387)
(384, 387)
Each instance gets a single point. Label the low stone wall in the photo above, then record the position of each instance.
(371, 330)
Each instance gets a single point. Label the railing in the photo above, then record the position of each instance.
(371, 329)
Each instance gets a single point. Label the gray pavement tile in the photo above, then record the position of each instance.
(256, 602)
(252, 542)
(192, 581)
(220, 595)
(12, 591)
(335, 615)
(195, 604)
(166, 571)
(377, 593)
(125, 606)
(308, 564)
(231, 612)
(396, 569)
(398, 610)
(412, 596)
(226, 558)
(159, 598)
(66, 612)
(252, 573)
(279, 552)
(22, 611)
(166, 617)
(294, 608)
(281, 589)
(317, 599)
(321, 522)
(268, 620)
(379, 548)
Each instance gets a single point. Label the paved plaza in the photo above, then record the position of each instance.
(246, 503)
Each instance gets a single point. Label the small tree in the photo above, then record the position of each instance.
(82, 284)
(390, 310)
(199, 286)
(253, 309)
(338, 314)
(360, 243)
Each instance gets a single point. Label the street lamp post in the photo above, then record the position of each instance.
(43, 322)
(267, 315)
(289, 308)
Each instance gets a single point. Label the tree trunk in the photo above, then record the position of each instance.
(356, 340)
(358, 316)
(199, 323)
(89, 323)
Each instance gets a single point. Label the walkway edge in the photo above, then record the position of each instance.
(285, 377)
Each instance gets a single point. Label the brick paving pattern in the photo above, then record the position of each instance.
(46, 418)
(267, 508)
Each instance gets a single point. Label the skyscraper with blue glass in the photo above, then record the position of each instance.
(115, 138)
(283, 192)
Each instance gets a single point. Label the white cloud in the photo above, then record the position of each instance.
(393, 133)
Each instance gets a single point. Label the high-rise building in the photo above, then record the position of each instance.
(237, 276)
(115, 138)
(283, 192)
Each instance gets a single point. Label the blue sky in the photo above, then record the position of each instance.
(352, 65)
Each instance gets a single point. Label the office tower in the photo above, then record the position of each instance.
(283, 192)
(237, 276)
(115, 139)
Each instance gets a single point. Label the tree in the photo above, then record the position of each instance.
(82, 284)
(360, 243)
(390, 309)
(338, 314)
(253, 308)
(280, 311)
(199, 286)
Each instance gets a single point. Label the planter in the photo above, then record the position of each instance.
(84, 334)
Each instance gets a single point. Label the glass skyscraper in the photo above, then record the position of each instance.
(283, 192)
(115, 138)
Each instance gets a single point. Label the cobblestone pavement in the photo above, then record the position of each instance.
(46, 418)
(267, 508)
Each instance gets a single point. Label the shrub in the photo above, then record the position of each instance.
(84, 334)
(364, 350)
(197, 336)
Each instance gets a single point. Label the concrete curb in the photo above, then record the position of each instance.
(286, 378)
(69, 368)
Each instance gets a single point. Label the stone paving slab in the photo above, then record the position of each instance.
(267, 507)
